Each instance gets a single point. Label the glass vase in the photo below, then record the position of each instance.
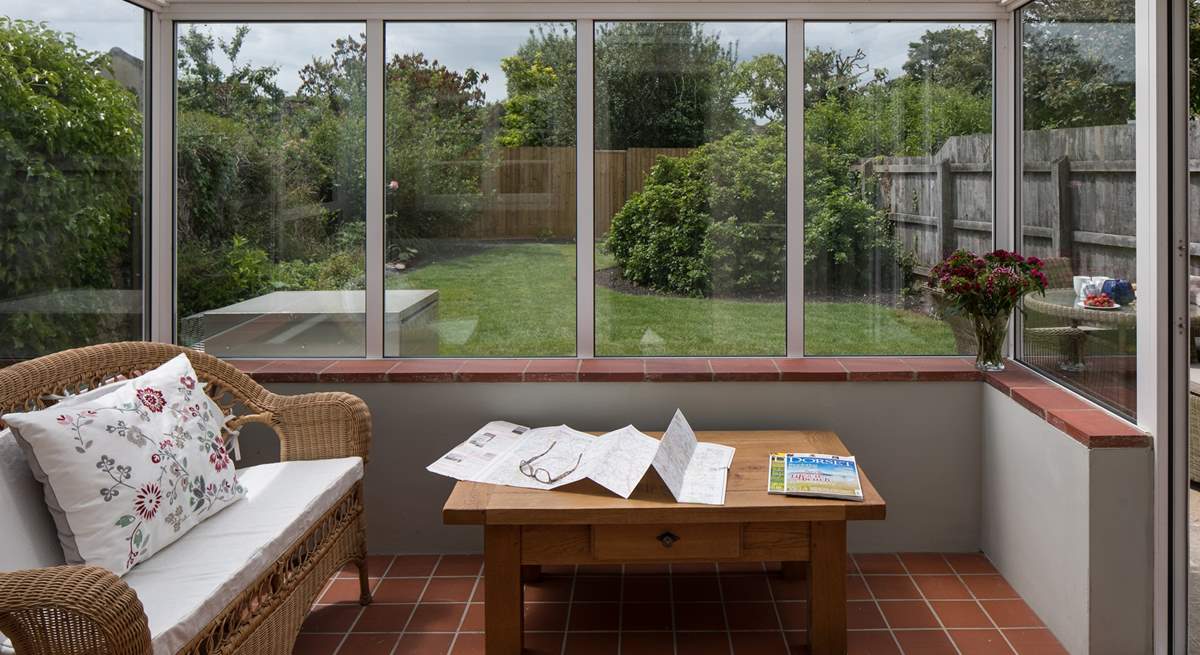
(990, 332)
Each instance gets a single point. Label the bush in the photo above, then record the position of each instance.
(713, 220)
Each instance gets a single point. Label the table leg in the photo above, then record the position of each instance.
(504, 596)
(827, 588)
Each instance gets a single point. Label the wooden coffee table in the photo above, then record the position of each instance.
(585, 524)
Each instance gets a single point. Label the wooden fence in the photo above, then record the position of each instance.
(1077, 198)
(529, 192)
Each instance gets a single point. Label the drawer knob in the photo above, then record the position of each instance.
(668, 538)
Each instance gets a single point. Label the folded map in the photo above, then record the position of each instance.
(550, 457)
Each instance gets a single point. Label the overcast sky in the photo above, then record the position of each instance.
(457, 45)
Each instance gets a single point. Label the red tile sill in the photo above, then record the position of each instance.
(1084, 422)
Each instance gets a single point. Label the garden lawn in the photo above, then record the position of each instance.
(519, 300)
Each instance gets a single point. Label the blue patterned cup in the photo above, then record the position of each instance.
(1120, 291)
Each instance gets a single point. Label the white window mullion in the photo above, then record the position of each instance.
(1006, 170)
(161, 260)
(585, 197)
(375, 228)
(795, 188)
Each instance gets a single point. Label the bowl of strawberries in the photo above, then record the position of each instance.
(1099, 301)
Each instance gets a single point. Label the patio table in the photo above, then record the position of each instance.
(1062, 304)
(582, 523)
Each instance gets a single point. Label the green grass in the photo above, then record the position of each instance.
(519, 300)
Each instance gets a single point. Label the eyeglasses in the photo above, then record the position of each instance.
(542, 475)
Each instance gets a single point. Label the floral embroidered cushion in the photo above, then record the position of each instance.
(131, 466)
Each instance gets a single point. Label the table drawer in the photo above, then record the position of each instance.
(667, 542)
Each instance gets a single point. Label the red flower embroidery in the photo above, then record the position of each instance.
(156, 458)
(152, 398)
(65, 420)
(219, 458)
(188, 381)
(147, 499)
(165, 444)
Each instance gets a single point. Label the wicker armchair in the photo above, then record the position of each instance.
(69, 610)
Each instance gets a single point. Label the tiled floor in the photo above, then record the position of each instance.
(916, 604)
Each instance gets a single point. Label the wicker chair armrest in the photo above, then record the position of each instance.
(69, 610)
(321, 425)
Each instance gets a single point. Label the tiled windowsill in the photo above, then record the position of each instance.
(1086, 423)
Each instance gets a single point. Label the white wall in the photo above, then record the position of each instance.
(918, 441)
(1069, 528)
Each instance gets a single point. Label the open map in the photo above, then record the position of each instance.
(550, 457)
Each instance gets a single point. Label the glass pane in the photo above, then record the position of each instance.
(691, 168)
(479, 139)
(897, 175)
(1077, 194)
(270, 123)
(71, 174)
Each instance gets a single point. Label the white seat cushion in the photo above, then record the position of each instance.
(187, 584)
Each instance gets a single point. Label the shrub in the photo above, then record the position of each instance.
(712, 220)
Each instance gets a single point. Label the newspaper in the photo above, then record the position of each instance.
(550, 457)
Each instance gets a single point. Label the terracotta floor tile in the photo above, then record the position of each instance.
(751, 616)
(970, 563)
(871, 642)
(377, 566)
(696, 588)
(592, 589)
(438, 617)
(405, 566)
(647, 643)
(989, 587)
(925, 642)
(480, 592)
(344, 590)
(788, 589)
(906, 614)
(457, 590)
(793, 615)
(385, 618)
(316, 644)
(699, 616)
(549, 590)
(1012, 613)
(546, 617)
(382, 644)
(456, 565)
(863, 615)
(925, 563)
(596, 643)
(941, 587)
(1034, 642)
(595, 616)
(543, 643)
(759, 643)
(473, 620)
(646, 616)
(960, 614)
(645, 589)
(892, 587)
(399, 590)
(745, 587)
(423, 644)
(468, 644)
(856, 588)
(702, 643)
(980, 642)
(331, 618)
(870, 563)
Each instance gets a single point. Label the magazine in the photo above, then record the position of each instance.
(815, 475)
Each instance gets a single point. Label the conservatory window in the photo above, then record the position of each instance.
(690, 188)
(270, 132)
(1077, 193)
(71, 176)
(897, 175)
(479, 189)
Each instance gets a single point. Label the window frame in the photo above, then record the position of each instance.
(163, 324)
